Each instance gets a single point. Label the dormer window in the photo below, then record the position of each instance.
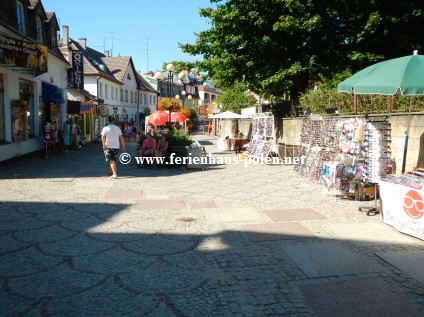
(39, 30)
(53, 35)
(20, 13)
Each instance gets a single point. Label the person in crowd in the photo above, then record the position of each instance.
(111, 136)
(134, 131)
(209, 128)
(161, 148)
(148, 148)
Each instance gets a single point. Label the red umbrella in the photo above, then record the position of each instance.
(178, 117)
(158, 118)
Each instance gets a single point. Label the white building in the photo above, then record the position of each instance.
(33, 76)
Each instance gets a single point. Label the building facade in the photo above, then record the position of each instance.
(33, 76)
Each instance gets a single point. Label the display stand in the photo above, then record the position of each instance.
(263, 136)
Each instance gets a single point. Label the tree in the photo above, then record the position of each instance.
(181, 65)
(235, 98)
(278, 48)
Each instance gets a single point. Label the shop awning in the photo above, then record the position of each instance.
(52, 93)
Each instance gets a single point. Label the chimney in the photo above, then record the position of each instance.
(65, 31)
(83, 42)
(107, 53)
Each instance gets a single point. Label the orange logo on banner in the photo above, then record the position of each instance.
(413, 204)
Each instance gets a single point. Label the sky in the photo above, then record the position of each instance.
(165, 22)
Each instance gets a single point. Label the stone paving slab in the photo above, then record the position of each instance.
(293, 214)
(411, 262)
(223, 215)
(204, 204)
(123, 193)
(370, 234)
(329, 259)
(277, 231)
(157, 204)
(367, 297)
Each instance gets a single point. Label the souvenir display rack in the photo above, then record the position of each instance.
(349, 156)
(262, 139)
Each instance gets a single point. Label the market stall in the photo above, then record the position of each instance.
(403, 204)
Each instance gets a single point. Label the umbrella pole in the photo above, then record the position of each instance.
(405, 149)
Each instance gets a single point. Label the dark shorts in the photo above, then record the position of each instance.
(110, 154)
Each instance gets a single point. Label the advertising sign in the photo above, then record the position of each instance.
(77, 72)
(103, 111)
(19, 120)
(403, 208)
(20, 53)
(87, 107)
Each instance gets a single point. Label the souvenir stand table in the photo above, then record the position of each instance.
(402, 199)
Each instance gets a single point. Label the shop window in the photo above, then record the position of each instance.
(2, 129)
(126, 95)
(39, 30)
(26, 95)
(132, 97)
(20, 14)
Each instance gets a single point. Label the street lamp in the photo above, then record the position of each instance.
(184, 93)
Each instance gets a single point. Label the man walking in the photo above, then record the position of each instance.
(111, 135)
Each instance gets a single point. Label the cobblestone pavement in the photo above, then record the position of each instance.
(174, 242)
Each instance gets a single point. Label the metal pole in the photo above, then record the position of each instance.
(405, 149)
(170, 78)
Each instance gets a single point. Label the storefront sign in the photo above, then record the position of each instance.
(77, 69)
(19, 121)
(103, 111)
(20, 53)
(87, 107)
(403, 208)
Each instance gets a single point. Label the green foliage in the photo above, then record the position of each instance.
(235, 98)
(193, 113)
(181, 65)
(147, 111)
(178, 138)
(279, 48)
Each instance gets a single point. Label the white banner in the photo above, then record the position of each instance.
(403, 208)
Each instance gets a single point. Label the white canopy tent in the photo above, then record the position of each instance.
(227, 115)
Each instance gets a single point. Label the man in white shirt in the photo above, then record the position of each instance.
(111, 135)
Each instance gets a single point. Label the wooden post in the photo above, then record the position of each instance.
(389, 104)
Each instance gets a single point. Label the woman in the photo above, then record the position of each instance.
(134, 131)
(148, 148)
(161, 149)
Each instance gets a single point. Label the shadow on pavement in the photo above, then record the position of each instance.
(71, 259)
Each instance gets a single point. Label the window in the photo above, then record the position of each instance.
(39, 30)
(116, 93)
(129, 76)
(145, 99)
(2, 131)
(154, 100)
(213, 97)
(106, 91)
(54, 35)
(101, 90)
(122, 95)
(132, 97)
(112, 91)
(206, 96)
(150, 99)
(126, 95)
(20, 13)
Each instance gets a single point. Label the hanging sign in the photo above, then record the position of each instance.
(77, 69)
(103, 111)
(87, 107)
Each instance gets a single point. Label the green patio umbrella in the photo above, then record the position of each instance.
(404, 75)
